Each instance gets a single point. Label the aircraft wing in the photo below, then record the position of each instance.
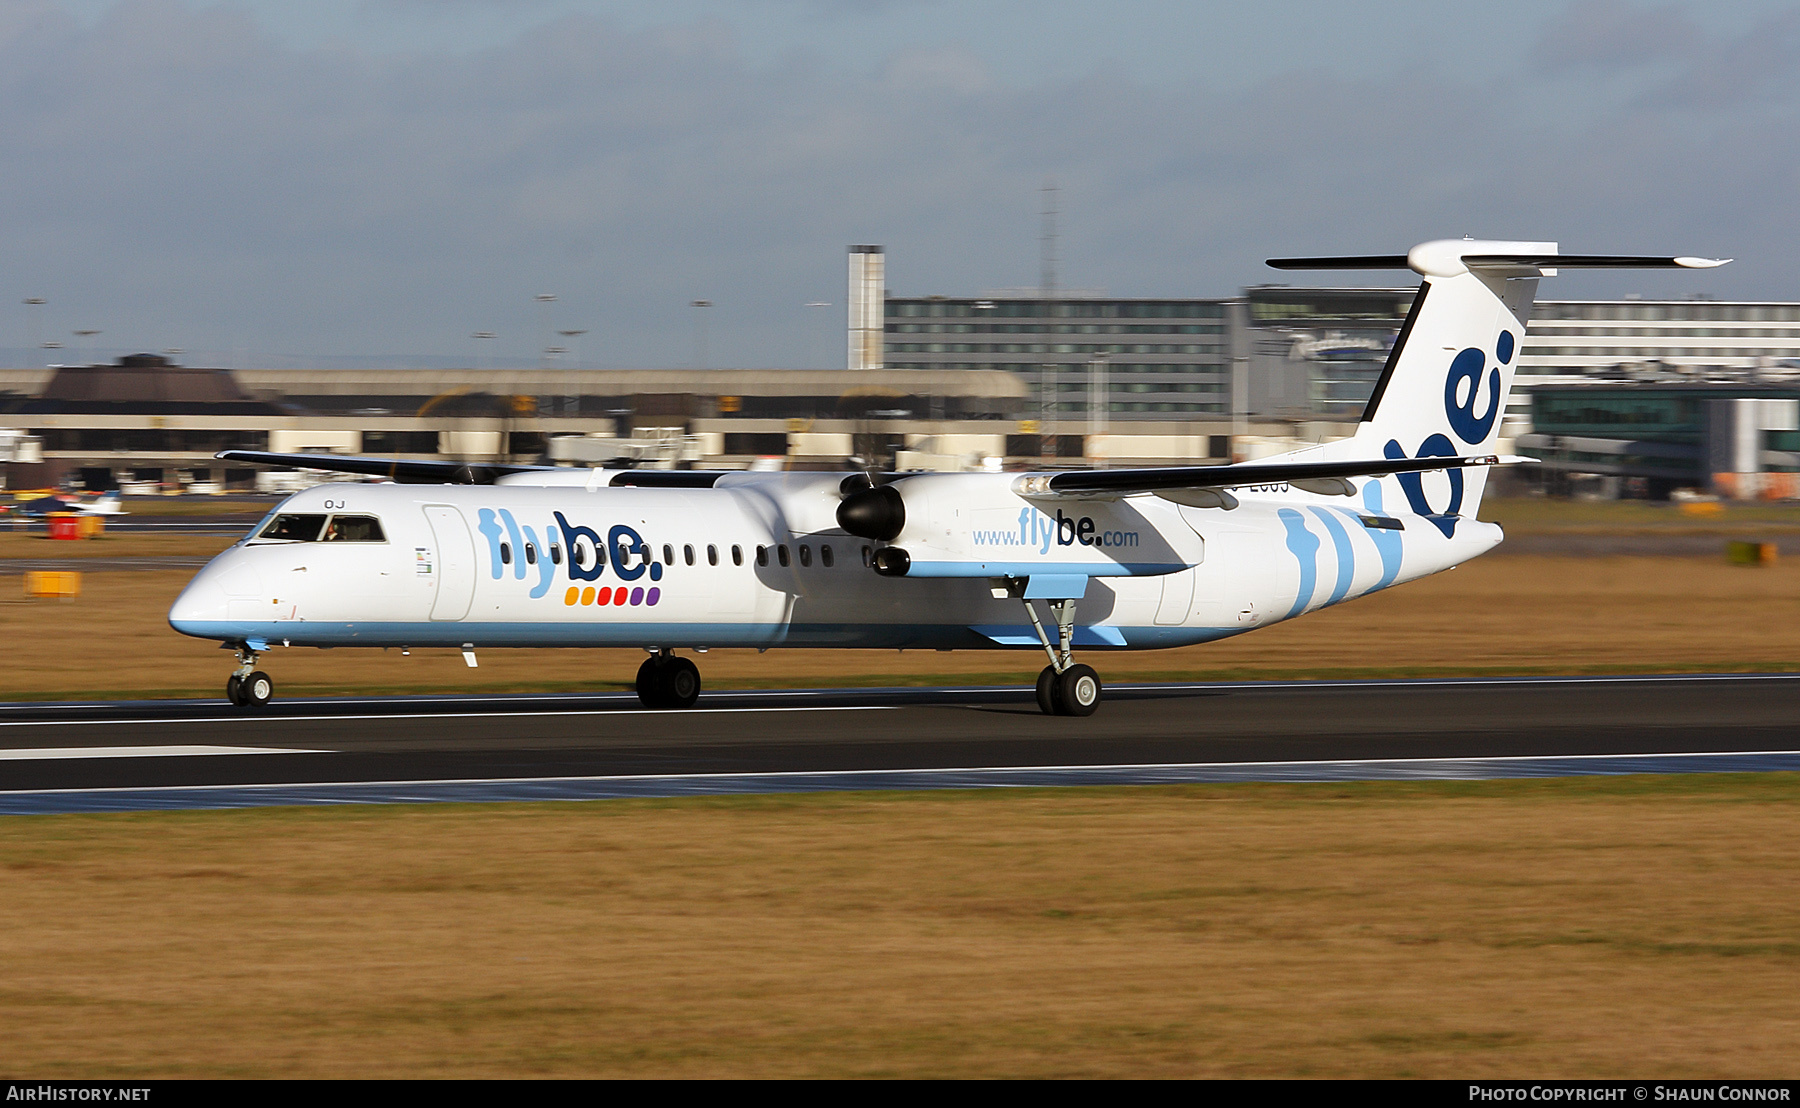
(1320, 477)
(401, 472)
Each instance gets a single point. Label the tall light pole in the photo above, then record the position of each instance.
(34, 306)
(482, 350)
(1047, 392)
(816, 354)
(545, 299)
(1099, 403)
(1240, 409)
(700, 307)
(571, 403)
(569, 338)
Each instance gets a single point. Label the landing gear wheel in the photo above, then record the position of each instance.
(232, 684)
(649, 682)
(1046, 692)
(255, 691)
(664, 681)
(681, 681)
(1078, 691)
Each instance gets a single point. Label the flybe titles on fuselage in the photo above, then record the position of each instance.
(576, 550)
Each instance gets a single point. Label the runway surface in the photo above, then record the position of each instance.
(140, 755)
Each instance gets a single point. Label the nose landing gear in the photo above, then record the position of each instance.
(249, 687)
(1065, 687)
(665, 681)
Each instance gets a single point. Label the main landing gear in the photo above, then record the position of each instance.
(249, 687)
(1066, 687)
(665, 681)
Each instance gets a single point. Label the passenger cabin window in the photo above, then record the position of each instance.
(805, 555)
(762, 555)
(506, 553)
(555, 554)
(687, 554)
(712, 554)
(530, 555)
(737, 555)
(825, 554)
(781, 552)
(867, 555)
(669, 555)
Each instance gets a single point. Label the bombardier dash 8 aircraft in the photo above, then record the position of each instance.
(1118, 559)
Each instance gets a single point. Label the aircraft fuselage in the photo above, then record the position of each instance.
(759, 560)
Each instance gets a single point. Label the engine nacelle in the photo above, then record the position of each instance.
(878, 513)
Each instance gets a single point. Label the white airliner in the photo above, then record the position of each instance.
(1117, 559)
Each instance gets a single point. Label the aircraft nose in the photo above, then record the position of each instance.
(200, 604)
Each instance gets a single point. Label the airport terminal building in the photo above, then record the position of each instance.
(146, 421)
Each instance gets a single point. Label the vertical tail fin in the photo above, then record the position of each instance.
(1444, 389)
(1443, 392)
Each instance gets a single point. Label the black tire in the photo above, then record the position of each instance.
(681, 683)
(233, 690)
(650, 684)
(1079, 691)
(256, 690)
(1046, 692)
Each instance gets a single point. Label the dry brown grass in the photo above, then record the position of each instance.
(1522, 614)
(1639, 926)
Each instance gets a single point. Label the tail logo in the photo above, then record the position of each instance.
(1466, 370)
(1413, 484)
(1470, 427)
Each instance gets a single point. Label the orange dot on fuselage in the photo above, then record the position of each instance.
(572, 595)
(587, 595)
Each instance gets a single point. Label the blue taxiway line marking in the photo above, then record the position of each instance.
(727, 784)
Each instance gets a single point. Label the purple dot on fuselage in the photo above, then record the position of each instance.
(637, 597)
(653, 596)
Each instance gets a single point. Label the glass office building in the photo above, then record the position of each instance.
(1160, 360)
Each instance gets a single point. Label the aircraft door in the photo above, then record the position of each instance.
(1177, 598)
(456, 562)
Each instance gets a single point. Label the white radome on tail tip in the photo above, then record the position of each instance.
(470, 556)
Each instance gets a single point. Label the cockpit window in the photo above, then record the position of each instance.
(320, 528)
(294, 528)
(354, 529)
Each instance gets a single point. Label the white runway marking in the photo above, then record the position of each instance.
(56, 753)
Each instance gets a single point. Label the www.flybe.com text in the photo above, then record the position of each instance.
(1039, 530)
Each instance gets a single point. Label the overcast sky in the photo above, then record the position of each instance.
(276, 183)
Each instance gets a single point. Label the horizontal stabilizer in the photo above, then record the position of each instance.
(1317, 475)
(1450, 256)
(1592, 261)
(1370, 261)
